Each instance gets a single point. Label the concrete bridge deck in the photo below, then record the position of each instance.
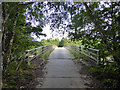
(61, 71)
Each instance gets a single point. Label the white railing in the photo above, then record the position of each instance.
(94, 54)
(40, 51)
(34, 53)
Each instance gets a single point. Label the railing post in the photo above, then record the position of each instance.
(72, 47)
(42, 49)
(88, 51)
(27, 56)
(103, 57)
(79, 49)
(35, 53)
(98, 53)
(75, 48)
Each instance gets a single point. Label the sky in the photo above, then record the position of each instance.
(49, 33)
(46, 29)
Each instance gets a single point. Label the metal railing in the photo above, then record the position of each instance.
(40, 51)
(94, 54)
(31, 54)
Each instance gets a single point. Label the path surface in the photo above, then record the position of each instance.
(61, 71)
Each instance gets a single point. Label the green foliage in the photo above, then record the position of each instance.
(96, 26)
(109, 75)
(61, 43)
(16, 79)
(47, 55)
(78, 56)
(65, 41)
(50, 41)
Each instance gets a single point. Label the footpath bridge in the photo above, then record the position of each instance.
(94, 54)
(61, 70)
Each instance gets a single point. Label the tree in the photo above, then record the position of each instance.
(14, 23)
(94, 23)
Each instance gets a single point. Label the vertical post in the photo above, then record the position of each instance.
(88, 51)
(103, 57)
(51, 47)
(98, 59)
(45, 48)
(28, 60)
(74, 48)
(79, 49)
(42, 49)
(26, 56)
(35, 53)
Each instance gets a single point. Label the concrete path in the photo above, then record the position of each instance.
(61, 71)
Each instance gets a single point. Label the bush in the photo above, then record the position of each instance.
(109, 75)
(13, 78)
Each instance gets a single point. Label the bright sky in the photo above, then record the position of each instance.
(46, 29)
(50, 34)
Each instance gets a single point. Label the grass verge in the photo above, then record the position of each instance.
(47, 55)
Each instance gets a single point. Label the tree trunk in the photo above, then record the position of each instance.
(6, 57)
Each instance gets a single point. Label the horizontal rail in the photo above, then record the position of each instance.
(33, 53)
(94, 54)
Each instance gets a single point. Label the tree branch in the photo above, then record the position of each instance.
(97, 25)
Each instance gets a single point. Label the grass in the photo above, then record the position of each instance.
(47, 55)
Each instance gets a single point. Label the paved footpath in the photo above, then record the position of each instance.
(61, 71)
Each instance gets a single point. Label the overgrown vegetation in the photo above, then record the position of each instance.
(91, 24)
(47, 55)
(109, 75)
(18, 78)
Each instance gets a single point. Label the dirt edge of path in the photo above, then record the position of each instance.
(37, 73)
(92, 82)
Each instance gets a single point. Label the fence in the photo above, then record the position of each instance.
(33, 53)
(94, 54)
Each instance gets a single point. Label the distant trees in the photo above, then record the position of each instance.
(49, 41)
(64, 41)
